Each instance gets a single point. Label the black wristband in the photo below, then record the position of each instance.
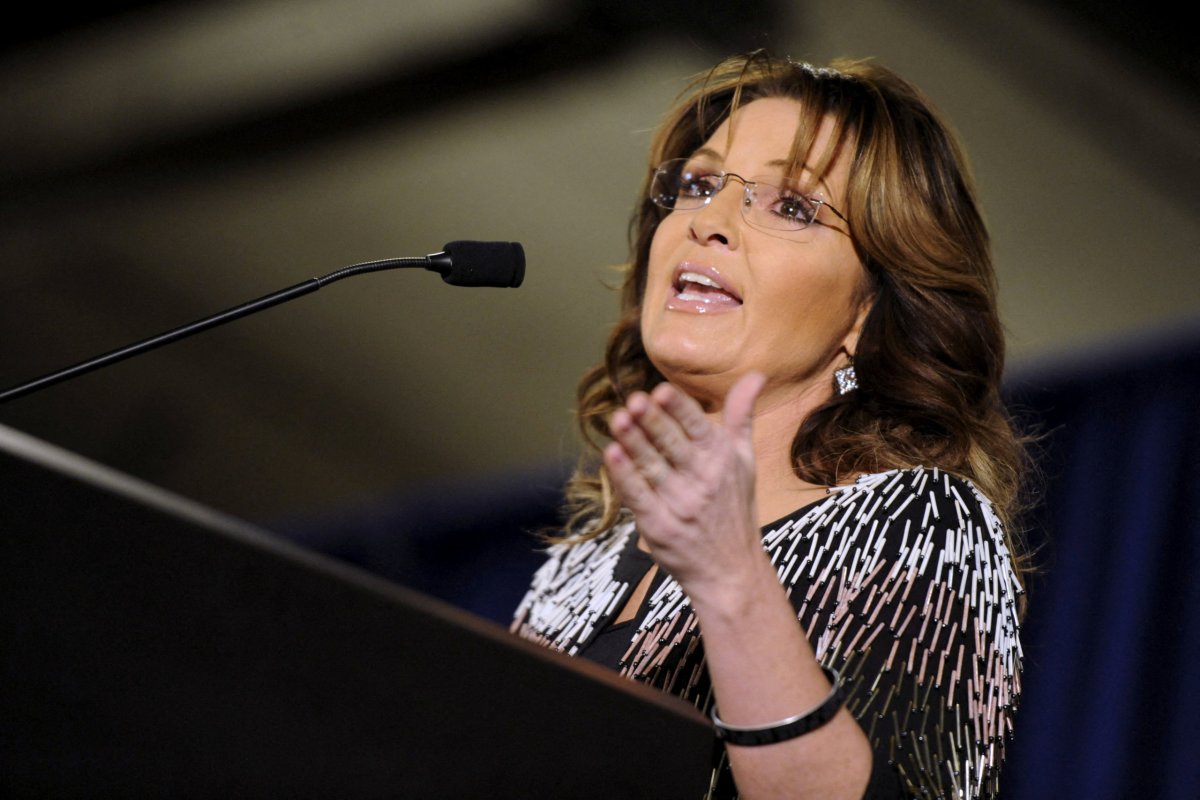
(788, 728)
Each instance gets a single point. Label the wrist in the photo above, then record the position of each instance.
(738, 591)
(784, 729)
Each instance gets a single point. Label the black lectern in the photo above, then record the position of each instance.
(150, 646)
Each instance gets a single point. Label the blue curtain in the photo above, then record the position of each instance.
(471, 543)
(1111, 699)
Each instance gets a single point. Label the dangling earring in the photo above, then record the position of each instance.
(847, 381)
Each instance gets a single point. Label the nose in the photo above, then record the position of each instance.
(718, 221)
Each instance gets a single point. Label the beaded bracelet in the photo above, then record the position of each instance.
(788, 728)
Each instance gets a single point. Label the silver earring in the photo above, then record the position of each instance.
(847, 380)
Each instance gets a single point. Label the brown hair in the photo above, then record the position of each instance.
(930, 355)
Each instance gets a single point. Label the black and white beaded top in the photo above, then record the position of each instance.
(902, 582)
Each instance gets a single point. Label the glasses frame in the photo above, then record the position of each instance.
(748, 187)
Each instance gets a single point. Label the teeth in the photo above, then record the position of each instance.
(696, 277)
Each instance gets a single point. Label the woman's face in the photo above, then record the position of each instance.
(723, 298)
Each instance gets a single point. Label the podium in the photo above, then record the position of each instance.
(151, 646)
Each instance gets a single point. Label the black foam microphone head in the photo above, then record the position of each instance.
(485, 264)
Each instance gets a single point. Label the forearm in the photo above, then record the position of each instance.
(763, 669)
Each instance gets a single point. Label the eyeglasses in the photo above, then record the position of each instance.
(683, 184)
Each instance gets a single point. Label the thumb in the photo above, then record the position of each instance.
(739, 404)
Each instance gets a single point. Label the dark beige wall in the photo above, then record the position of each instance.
(1086, 166)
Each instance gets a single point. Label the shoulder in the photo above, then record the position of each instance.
(893, 553)
(934, 526)
(913, 595)
(902, 511)
(582, 554)
(928, 493)
(576, 582)
(907, 507)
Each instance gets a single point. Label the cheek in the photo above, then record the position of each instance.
(818, 302)
(661, 261)
(666, 236)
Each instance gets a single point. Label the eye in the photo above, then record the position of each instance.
(792, 206)
(685, 184)
(697, 183)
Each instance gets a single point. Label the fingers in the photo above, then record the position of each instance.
(646, 456)
(664, 433)
(631, 485)
(623, 471)
(651, 450)
(684, 410)
(663, 429)
(657, 416)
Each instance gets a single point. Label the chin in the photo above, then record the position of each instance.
(699, 377)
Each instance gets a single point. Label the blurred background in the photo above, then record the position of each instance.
(163, 161)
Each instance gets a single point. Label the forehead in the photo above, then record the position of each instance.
(772, 131)
(764, 125)
(765, 136)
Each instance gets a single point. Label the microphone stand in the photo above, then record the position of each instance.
(439, 262)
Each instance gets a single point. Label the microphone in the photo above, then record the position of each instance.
(480, 264)
(460, 263)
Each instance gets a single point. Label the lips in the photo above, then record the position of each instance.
(701, 289)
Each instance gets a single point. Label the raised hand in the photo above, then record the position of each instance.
(689, 480)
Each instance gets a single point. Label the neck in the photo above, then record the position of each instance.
(777, 416)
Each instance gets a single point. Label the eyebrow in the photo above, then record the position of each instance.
(778, 162)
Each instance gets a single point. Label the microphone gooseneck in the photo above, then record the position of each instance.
(461, 263)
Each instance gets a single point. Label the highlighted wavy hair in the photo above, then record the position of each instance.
(931, 353)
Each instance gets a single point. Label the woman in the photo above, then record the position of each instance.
(804, 454)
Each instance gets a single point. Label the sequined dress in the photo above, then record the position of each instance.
(904, 585)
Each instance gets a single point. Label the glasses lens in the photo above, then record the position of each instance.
(780, 208)
(687, 184)
(684, 184)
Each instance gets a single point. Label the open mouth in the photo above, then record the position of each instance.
(703, 287)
